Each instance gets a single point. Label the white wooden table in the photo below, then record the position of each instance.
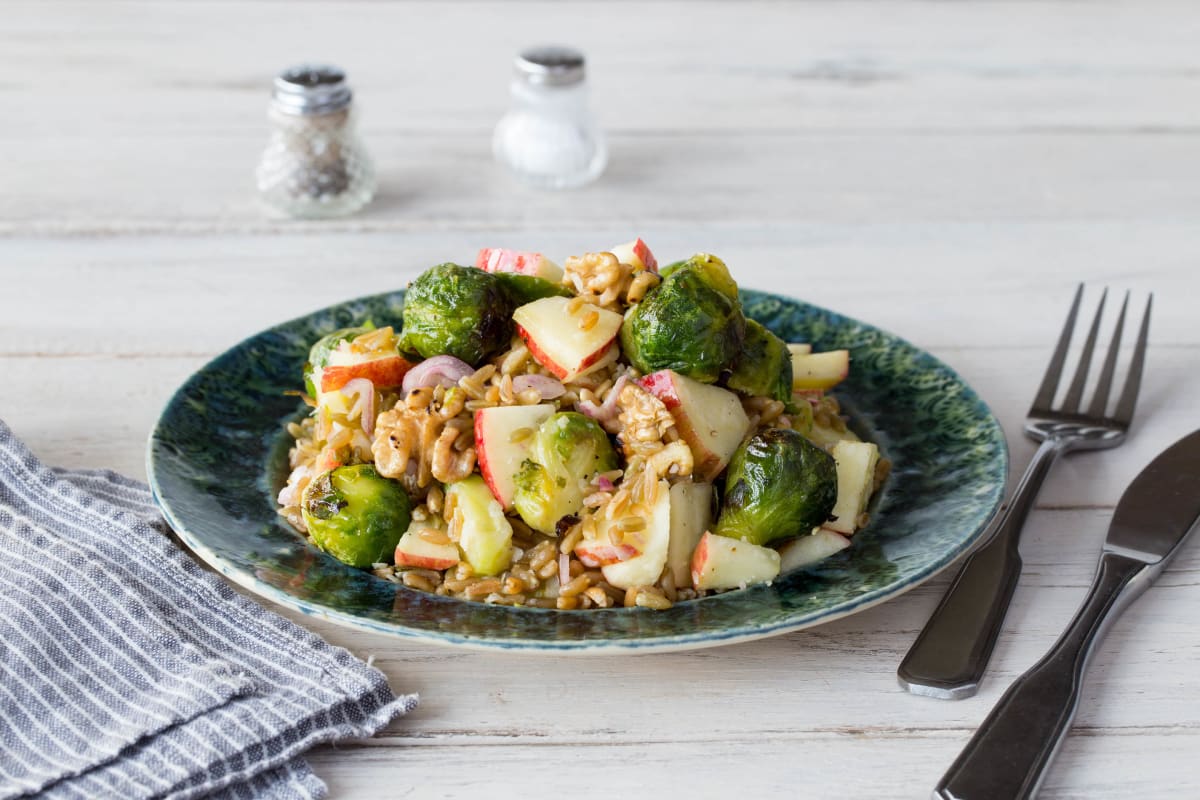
(946, 171)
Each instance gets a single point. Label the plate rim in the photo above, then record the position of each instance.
(675, 643)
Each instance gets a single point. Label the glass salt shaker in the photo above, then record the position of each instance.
(314, 164)
(549, 138)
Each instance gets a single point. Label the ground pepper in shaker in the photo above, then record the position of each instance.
(314, 164)
(549, 138)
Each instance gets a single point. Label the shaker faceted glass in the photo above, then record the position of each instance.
(549, 138)
(314, 164)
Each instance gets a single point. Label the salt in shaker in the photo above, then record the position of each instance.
(549, 138)
(314, 164)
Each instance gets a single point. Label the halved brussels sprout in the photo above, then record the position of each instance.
(764, 367)
(711, 269)
(355, 514)
(778, 485)
(458, 311)
(568, 450)
(689, 322)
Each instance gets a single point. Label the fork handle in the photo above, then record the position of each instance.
(1008, 755)
(949, 656)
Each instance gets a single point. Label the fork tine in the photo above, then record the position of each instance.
(1075, 392)
(1129, 394)
(1045, 395)
(1100, 400)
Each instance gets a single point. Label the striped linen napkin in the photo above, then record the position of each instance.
(127, 671)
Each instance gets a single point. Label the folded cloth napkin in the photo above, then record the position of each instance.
(127, 671)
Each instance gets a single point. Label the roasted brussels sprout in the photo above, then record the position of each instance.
(764, 366)
(711, 269)
(457, 311)
(569, 450)
(318, 356)
(524, 289)
(778, 485)
(686, 323)
(355, 514)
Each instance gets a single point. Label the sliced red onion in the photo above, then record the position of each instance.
(606, 413)
(604, 484)
(437, 371)
(365, 391)
(549, 388)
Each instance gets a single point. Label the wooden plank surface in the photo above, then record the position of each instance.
(945, 171)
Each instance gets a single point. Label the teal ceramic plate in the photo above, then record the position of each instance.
(218, 456)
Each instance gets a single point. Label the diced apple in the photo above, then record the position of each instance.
(415, 551)
(723, 563)
(566, 343)
(691, 516)
(710, 419)
(385, 373)
(499, 456)
(493, 259)
(636, 254)
(601, 552)
(855, 475)
(820, 370)
(646, 567)
(485, 535)
(799, 349)
(808, 550)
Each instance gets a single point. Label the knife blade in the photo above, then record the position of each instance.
(1161, 507)
(1008, 756)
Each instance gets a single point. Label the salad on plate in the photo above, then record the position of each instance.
(603, 434)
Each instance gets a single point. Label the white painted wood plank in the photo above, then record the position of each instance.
(128, 67)
(1142, 764)
(205, 182)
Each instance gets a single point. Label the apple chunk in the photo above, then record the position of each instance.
(652, 544)
(601, 552)
(567, 343)
(494, 259)
(636, 254)
(415, 551)
(484, 533)
(500, 457)
(808, 550)
(691, 516)
(855, 476)
(819, 370)
(384, 373)
(710, 419)
(724, 563)
(799, 349)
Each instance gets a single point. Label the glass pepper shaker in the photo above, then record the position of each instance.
(549, 138)
(314, 164)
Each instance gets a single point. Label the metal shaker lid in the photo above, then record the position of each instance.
(311, 89)
(550, 65)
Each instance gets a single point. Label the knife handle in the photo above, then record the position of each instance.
(949, 656)
(1008, 755)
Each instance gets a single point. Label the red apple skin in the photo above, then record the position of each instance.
(491, 259)
(699, 556)
(558, 370)
(643, 252)
(481, 456)
(424, 562)
(599, 554)
(660, 384)
(383, 372)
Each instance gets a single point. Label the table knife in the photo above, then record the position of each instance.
(1008, 755)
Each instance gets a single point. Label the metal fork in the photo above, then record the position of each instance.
(949, 656)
